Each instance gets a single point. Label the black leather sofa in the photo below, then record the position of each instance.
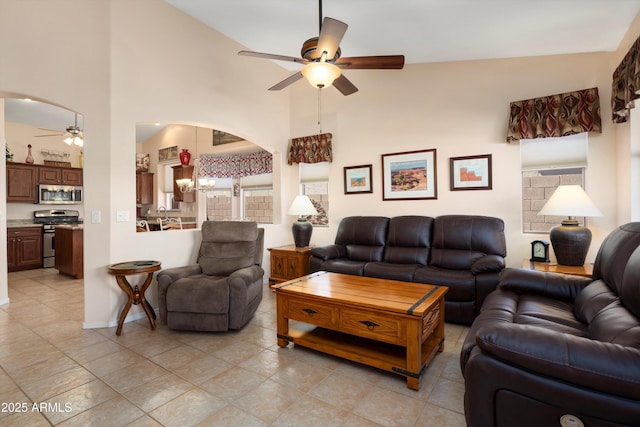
(463, 252)
(551, 349)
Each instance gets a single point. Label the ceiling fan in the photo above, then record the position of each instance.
(322, 61)
(73, 134)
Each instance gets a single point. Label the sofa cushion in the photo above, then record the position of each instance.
(387, 270)
(345, 266)
(459, 240)
(593, 298)
(551, 314)
(461, 283)
(408, 240)
(363, 237)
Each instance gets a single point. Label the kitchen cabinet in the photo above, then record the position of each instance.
(21, 183)
(144, 188)
(24, 248)
(180, 172)
(59, 176)
(69, 250)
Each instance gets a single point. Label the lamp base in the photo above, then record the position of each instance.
(301, 230)
(570, 243)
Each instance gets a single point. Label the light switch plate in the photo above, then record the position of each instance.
(122, 216)
(96, 217)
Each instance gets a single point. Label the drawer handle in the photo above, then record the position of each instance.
(369, 324)
(309, 311)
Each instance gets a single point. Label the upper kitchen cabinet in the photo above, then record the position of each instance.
(60, 176)
(144, 188)
(180, 172)
(21, 183)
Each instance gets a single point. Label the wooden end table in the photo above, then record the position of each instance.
(288, 262)
(387, 324)
(585, 270)
(135, 295)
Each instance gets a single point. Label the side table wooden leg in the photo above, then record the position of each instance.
(149, 311)
(126, 287)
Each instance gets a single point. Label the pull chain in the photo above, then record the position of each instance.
(319, 110)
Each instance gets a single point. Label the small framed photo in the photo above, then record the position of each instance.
(409, 175)
(471, 173)
(169, 153)
(357, 179)
(142, 162)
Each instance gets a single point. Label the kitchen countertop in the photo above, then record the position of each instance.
(19, 223)
(71, 226)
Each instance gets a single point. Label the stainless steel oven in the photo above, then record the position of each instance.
(59, 195)
(49, 219)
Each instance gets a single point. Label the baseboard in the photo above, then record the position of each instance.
(113, 323)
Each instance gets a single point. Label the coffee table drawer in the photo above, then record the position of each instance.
(369, 325)
(313, 313)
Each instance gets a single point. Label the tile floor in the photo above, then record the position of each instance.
(55, 373)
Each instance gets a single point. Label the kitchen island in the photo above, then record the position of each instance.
(69, 250)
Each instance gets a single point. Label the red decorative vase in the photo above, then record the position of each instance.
(185, 157)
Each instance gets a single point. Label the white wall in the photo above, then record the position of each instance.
(460, 109)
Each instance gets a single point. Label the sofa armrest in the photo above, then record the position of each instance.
(487, 263)
(329, 252)
(552, 285)
(606, 367)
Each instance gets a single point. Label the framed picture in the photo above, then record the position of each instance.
(409, 175)
(357, 179)
(471, 172)
(142, 162)
(169, 153)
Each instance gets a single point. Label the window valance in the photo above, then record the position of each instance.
(237, 165)
(555, 115)
(626, 84)
(311, 149)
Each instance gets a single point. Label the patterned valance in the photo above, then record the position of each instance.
(626, 83)
(236, 166)
(555, 115)
(311, 149)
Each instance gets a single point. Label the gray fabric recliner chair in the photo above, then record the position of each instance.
(224, 289)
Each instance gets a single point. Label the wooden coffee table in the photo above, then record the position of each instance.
(388, 324)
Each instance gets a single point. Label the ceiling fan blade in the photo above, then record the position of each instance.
(385, 62)
(41, 136)
(344, 85)
(330, 37)
(286, 82)
(272, 56)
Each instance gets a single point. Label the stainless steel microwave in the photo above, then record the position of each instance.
(59, 195)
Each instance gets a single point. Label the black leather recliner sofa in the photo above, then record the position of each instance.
(463, 252)
(552, 349)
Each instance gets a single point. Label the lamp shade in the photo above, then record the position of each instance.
(302, 206)
(320, 74)
(570, 200)
(570, 241)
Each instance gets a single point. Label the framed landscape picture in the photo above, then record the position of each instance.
(357, 179)
(169, 153)
(409, 175)
(471, 172)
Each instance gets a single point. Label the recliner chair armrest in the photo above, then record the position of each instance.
(596, 365)
(329, 252)
(487, 263)
(247, 275)
(179, 272)
(552, 285)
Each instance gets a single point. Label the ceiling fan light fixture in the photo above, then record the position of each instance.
(320, 74)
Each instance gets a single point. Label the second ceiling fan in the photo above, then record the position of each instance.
(323, 64)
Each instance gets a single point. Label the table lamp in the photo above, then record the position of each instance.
(301, 228)
(570, 241)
